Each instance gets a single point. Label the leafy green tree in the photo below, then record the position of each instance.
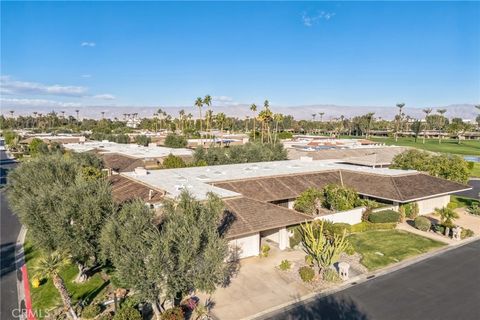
(37, 146)
(175, 141)
(10, 137)
(128, 313)
(339, 198)
(142, 140)
(172, 162)
(62, 209)
(50, 267)
(130, 240)
(416, 128)
(450, 167)
(309, 201)
(191, 246)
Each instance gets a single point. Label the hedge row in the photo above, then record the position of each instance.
(384, 216)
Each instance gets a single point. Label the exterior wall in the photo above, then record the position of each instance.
(247, 246)
(280, 236)
(428, 205)
(353, 216)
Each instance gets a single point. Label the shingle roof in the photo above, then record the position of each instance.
(248, 216)
(282, 187)
(400, 188)
(120, 163)
(124, 189)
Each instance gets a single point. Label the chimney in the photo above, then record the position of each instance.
(150, 194)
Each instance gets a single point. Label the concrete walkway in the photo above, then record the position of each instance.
(431, 235)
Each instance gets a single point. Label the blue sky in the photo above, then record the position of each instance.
(293, 53)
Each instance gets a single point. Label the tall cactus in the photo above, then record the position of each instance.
(324, 251)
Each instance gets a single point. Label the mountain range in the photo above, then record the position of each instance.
(464, 111)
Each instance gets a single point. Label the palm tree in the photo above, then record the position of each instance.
(11, 113)
(427, 111)
(103, 115)
(369, 117)
(209, 119)
(253, 108)
(49, 267)
(208, 102)
(399, 119)
(221, 118)
(181, 118)
(265, 117)
(321, 116)
(199, 105)
(441, 112)
(447, 216)
(277, 117)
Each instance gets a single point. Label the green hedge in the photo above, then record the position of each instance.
(384, 216)
(422, 223)
(367, 226)
(306, 273)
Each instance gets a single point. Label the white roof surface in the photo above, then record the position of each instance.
(131, 150)
(197, 179)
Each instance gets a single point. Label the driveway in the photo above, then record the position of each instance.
(446, 286)
(258, 286)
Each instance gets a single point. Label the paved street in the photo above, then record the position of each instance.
(9, 229)
(446, 286)
(475, 192)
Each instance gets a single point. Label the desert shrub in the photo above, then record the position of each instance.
(142, 140)
(308, 200)
(367, 226)
(127, 313)
(384, 216)
(285, 265)
(91, 311)
(470, 165)
(284, 135)
(171, 162)
(331, 275)
(466, 233)
(265, 250)
(452, 205)
(306, 273)
(339, 198)
(105, 316)
(175, 313)
(175, 141)
(439, 228)
(368, 203)
(411, 210)
(309, 260)
(474, 209)
(422, 223)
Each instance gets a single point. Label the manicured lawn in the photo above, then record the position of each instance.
(463, 201)
(46, 297)
(476, 170)
(381, 248)
(468, 147)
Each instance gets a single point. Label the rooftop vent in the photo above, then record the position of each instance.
(181, 179)
(140, 171)
(202, 177)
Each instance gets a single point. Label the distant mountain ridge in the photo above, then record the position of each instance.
(464, 111)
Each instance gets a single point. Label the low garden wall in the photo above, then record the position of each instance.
(353, 216)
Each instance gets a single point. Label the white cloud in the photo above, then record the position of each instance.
(14, 102)
(223, 101)
(310, 20)
(10, 86)
(105, 96)
(88, 44)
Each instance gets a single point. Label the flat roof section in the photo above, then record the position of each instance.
(130, 150)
